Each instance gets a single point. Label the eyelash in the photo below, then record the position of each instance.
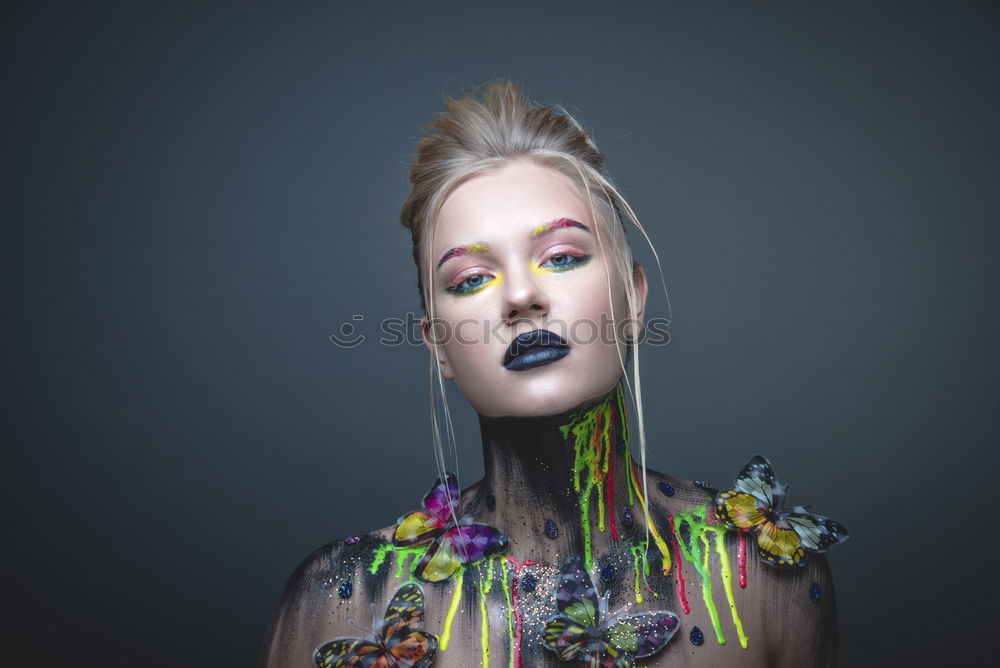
(573, 262)
(459, 291)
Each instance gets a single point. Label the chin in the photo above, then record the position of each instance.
(550, 398)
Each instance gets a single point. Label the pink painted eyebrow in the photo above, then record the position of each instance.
(541, 230)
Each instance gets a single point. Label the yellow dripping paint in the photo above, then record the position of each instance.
(696, 549)
(452, 609)
(484, 626)
(727, 582)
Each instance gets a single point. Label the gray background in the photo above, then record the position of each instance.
(195, 197)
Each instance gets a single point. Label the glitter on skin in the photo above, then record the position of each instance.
(697, 637)
(551, 529)
(518, 613)
(608, 573)
(351, 540)
(815, 593)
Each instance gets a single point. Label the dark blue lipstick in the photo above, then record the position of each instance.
(535, 348)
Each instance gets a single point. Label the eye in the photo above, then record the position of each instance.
(470, 284)
(564, 261)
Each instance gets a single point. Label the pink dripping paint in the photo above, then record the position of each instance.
(741, 559)
(518, 615)
(681, 594)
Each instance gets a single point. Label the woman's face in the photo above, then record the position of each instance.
(516, 251)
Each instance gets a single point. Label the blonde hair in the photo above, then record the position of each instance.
(482, 132)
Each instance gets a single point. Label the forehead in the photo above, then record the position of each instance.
(510, 201)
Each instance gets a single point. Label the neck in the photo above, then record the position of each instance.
(560, 468)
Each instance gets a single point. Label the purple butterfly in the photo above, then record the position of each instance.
(454, 544)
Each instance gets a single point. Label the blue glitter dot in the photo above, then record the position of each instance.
(665, 488)
(608, 573)
(697, 637)
(551, 530)
(627, 518)
(815, 593)
(528, 582)
(346, 589)
(703, 485)
(621, 446)
(351, 540)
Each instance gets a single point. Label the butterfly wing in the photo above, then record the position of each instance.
(570, 632)
(758, 480)
(407, 645)
(739, 510)
(427, 524)
(439, 501)
(417, 527)
(779, 544)
(347, 653)
(816, 532)
(576, 597)
(643, 634)
(568, 639)
(456, 547)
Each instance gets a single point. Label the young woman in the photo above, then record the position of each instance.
(568, 550)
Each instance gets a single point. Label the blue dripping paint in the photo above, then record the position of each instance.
(528, 582)
(697, 637)
(627, 518)
(815, 593)
(665, 488)
(551, 530)
(346, 589)
(608, 573)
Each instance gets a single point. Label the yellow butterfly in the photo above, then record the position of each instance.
(756, 505)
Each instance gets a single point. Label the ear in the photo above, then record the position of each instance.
(425, 332)
(641, 292)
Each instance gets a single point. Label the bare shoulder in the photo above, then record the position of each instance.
(329, 590)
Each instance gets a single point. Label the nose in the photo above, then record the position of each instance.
(523, 296)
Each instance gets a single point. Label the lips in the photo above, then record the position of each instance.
(535, 348)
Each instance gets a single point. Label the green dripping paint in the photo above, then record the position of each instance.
(591, 430)
(695, 549)
(727, 582)
(452, 609)
(406, 556)
(639, 555)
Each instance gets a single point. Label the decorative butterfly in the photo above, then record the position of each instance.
(583, 630)
(455, 544)
(756, 505)
(398, 640)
